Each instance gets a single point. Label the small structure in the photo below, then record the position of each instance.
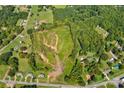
(21, 36)
(42, 75)
(16, 47)
(23, 49)
(111, 60)
(23, 22)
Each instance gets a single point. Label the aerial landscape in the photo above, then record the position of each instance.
(61, 46)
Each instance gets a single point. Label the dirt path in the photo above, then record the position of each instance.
(6, 74)
(53, 47)
(45, 59)
(58, 69)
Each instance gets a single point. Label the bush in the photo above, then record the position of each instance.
(5, 57)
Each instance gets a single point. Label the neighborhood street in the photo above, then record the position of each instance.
(116, 81)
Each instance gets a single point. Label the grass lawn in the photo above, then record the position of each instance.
(3, 69)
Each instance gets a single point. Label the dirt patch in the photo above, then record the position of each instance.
(52, 76)
(45, 59)
(53, 42)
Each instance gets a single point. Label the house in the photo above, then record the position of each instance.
(42, 75)
(23, 49)
(23, 22)
(111, 60)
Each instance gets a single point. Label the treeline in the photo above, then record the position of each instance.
(8, 59)
(75, 75)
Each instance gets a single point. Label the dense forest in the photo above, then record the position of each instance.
(83, 21)
(93, 30)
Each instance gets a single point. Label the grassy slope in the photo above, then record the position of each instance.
(65, 46)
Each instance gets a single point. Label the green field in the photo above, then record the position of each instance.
(3, 70)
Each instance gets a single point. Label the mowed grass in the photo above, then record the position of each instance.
(23, 63)
(3, 69)
(40, 16)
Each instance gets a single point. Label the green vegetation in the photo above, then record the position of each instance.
(76, 45)
(3, 70)
(110, 85)
(59, 6)
(8, 30)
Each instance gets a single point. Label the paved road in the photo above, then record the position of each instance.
(38, 84)
(116, 81)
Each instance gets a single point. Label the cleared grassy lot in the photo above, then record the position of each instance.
(64, 48)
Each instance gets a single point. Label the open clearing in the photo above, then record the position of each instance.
(47, 43)
(40, 16)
